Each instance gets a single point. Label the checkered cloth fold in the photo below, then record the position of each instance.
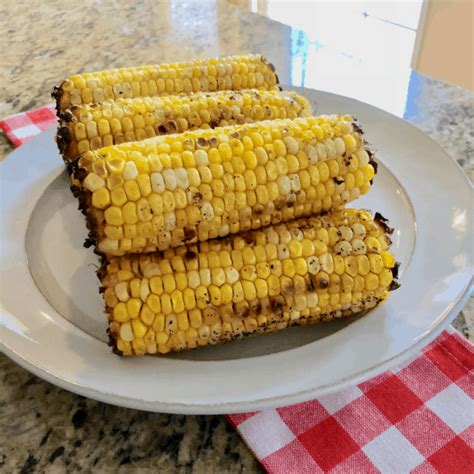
(418, 418)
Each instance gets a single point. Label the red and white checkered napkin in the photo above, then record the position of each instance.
(418, 418)
(22, 127)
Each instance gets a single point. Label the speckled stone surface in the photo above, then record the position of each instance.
(44, 428)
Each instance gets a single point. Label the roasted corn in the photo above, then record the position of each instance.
(297, 273)
(175, 189)
(92, 126)
(206, 74)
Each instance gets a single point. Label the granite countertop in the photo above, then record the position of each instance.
(44, 428)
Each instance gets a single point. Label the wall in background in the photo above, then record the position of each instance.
(444, 46)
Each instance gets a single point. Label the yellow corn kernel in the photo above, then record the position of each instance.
(288, 268)
(385, 278)
(101, 198)
(195, 318)
(129, 213)
(139, 329)
(369, 172)
(371, 281)
(133, 307)
(147, 315)
(376, 263)
(350, 144)
(113, 215)
(295, 248)
(118, 196)
(124, 275)
(166, 307)
(373, 244)
(359, 283)
(301, 268)
(320, 247)
(249, 290)
(132, 190)
(144, 184)
(388, 259)
(183, 322)
(120, 313)
(363, 264)
(226, 293)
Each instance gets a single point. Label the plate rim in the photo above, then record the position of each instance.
(231, 408)
(443, 321)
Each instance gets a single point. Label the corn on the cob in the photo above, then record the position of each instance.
(92, 126)
(301, 272)
(175, 189)
(203, 74)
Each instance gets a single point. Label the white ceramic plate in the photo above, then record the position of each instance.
(53, 317)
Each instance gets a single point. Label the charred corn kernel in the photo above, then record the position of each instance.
(204, 190)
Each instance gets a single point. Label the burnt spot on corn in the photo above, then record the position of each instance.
(248, 237)
(279, 203)
(395, 270)
(277, 304)
(197, 198)
(291, 200)
(202, 142)
(89, 242)
(189, 255)
(357, 127)
(394, 286)
(383, 222)
(338, 180)
(67, 116)
(288, 288)
(189, 233)
(309, 284)
(257, 308)
(323, 283)
(374, 164)
(56, 95)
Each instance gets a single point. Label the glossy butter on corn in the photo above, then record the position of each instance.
(93, 126)
(203, 74)
(175, 189)
(301, 272)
